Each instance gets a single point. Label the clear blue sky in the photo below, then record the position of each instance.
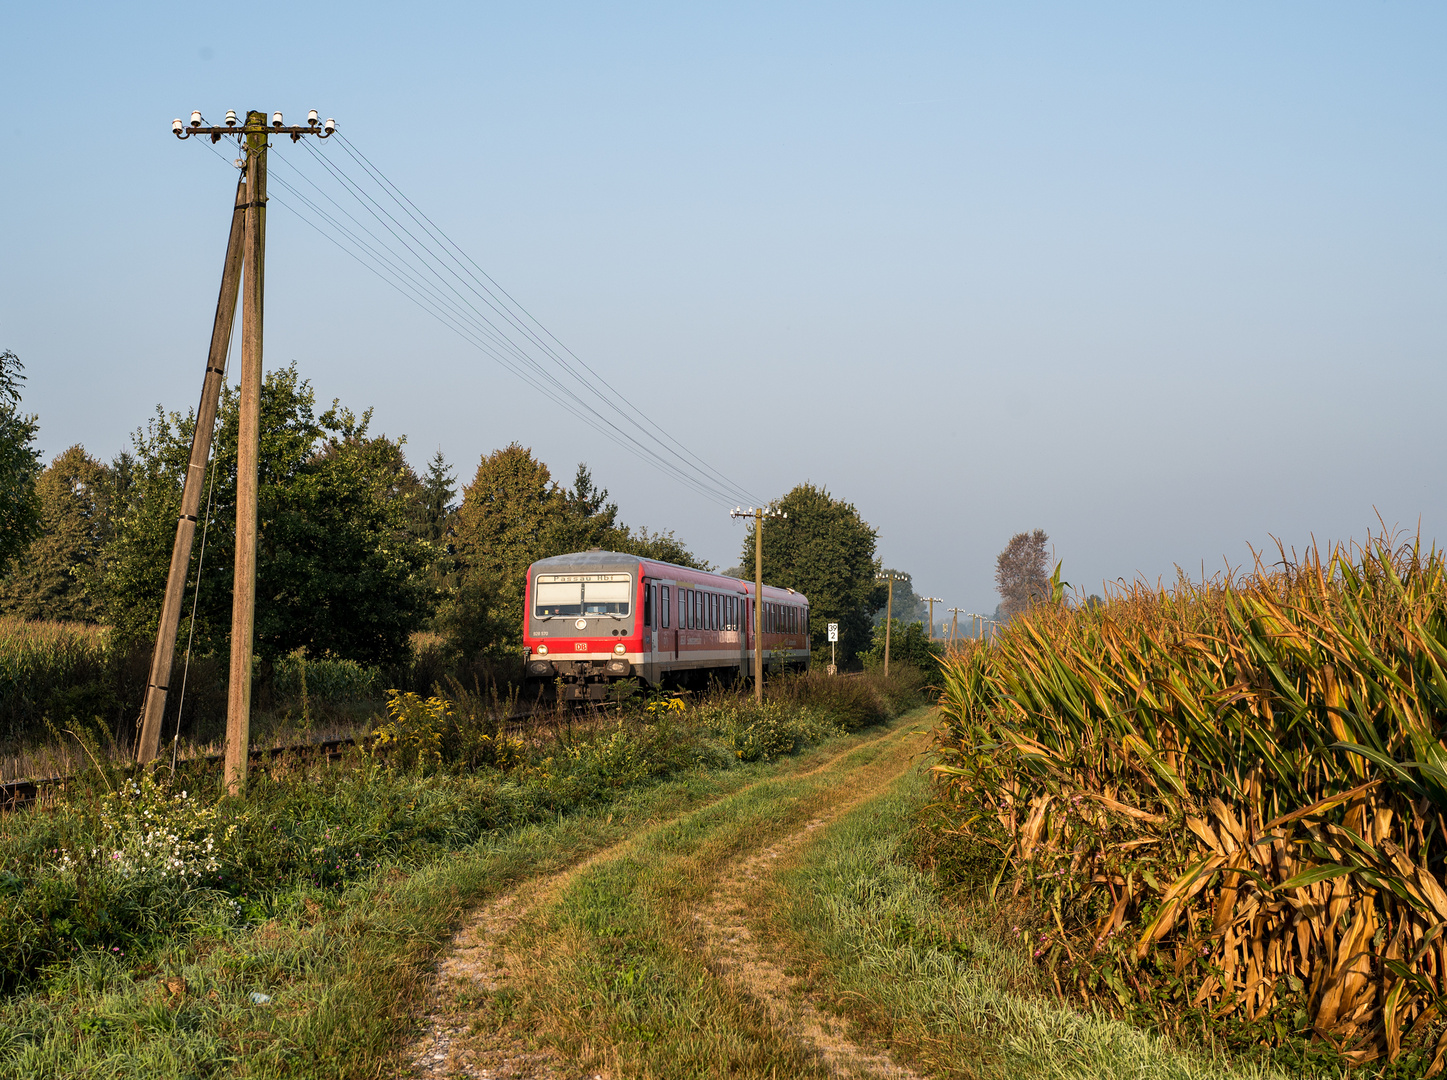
(1164, 280)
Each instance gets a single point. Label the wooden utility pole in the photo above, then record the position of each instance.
(253, 135)
(954, 624)
(248, 449)
(891, 577)
(932, 601)
(758, 514)
(149, 742)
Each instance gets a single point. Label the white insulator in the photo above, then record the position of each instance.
(276, 120)
(196, 118)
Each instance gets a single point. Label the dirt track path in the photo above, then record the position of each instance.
(462, 1037)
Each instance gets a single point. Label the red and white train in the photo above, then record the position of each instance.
(599, 616)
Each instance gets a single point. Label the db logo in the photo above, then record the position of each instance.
(580, 646)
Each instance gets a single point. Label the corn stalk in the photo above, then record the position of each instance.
(1243, 780)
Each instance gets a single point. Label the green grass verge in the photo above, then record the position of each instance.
(952, 995)
(341, 965)
(614, 976)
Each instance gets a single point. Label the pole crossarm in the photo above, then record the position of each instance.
(238, 129)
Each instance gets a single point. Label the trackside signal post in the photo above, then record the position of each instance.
(758, 513)
(245, 258)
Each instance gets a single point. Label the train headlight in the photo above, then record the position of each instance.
(542, 650)
(620, 648)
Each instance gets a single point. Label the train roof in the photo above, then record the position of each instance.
(612, 560)
(599, 558)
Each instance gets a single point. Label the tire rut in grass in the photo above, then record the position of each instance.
(472, 988)
(467, 1032)
(739, 959)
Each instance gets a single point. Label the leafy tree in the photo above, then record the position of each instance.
(509, 518)
(1022, 576)
(434, 506)
(908, 607)
(514, 513)
(663, 546)
(825, 550)
(56, 577)
(908, 643)
(19, 465)
(337, 570)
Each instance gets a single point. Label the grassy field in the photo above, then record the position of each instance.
(781, 930)
(1219, 807)
(951, 990)
(151, 928)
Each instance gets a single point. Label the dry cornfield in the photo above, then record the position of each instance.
(1231, 793)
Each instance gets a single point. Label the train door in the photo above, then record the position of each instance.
(668, 628)
(650, 619)
(741, 607)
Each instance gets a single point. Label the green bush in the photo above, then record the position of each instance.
(326, 679)
(129, 867)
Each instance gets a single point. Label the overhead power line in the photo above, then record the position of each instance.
(413, 255)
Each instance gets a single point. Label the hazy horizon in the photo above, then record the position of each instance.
(1165, 283)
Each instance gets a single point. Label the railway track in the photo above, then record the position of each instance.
(23, 793)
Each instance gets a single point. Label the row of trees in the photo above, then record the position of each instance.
(356, 550)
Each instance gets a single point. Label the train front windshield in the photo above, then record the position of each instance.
(574, 595)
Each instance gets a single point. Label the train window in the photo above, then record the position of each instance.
(713, 619)
(563, 595)
(693, 609)
(708, 611)
(648, 591)
(665, 607)
(685, 608)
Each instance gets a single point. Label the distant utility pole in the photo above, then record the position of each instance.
(932, 601)
(758, 513)
(955, 624)
(245, 256)
(891, 577)
(980, 621)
